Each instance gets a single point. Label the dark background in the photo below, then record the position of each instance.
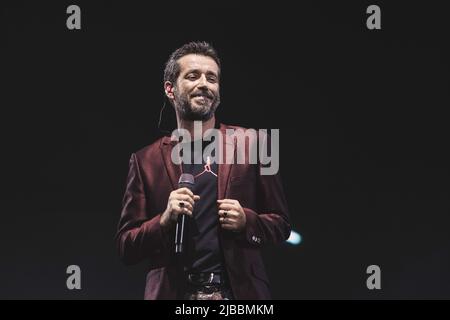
(363, 119)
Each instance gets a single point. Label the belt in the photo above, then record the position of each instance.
(206, 278)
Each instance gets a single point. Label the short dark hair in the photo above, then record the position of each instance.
(172, 69)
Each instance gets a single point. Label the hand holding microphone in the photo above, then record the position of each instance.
(180, 203)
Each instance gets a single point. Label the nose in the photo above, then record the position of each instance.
(202, 82)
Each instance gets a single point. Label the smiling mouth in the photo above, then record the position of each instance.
(204, 96)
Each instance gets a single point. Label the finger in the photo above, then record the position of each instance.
(185, 198)
(186, 205)
(184, 190)
(227, 220)
(229, 201)
(183, 210)
(196, 197)
(228, 227)
(226, 201)
(187, 211)
(227, 206)
(222, 220)
(230, 213)
(176, 195)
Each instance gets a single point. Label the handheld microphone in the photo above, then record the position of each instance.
(186, 181)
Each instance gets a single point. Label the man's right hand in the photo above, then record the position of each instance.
(181, 201)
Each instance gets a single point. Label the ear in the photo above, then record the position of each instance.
(168, 88)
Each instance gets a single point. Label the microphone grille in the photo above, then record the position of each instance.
(186, 178)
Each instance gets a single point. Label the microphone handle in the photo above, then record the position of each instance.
(187, 181)
(180, 233)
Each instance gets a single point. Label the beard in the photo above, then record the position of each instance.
(201, 112)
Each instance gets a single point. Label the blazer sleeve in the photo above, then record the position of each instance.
(139, 235)
(269, 222)
(270, 225)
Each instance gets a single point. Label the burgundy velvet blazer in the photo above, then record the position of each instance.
(152, 176)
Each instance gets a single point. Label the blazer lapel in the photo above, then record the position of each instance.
(173, 170)
(225, 168)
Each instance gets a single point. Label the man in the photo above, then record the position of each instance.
(231, 213)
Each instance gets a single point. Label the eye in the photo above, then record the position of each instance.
(191, 76)
(212, 79)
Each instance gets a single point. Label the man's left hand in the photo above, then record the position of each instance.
(231, 215)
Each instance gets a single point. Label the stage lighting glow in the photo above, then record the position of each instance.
(295, 238)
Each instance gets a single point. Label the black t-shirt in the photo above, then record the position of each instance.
(203, 247)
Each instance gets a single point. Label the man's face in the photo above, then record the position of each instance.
(196, 93)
